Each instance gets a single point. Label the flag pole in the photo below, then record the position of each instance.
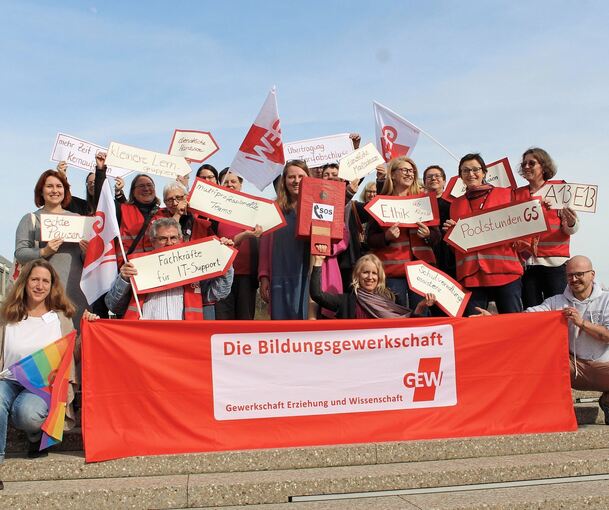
(420, 130)
(137, 301)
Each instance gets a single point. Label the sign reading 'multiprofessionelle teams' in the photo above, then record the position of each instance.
(280, 374)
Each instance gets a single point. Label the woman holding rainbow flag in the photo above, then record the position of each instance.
(35, 314)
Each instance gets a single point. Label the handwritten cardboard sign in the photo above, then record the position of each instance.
(360, 162)
(70, 228)
(450, 296)
(499, 174)
(194, 145)
(579, 197)
(319, 151)
(81, 154)
(174, 266)
(406, 211)
(497, 225)
(145, 161)
(235, 207)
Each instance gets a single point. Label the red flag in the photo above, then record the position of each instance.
(100, 267)
(395, 136)
(260, 158)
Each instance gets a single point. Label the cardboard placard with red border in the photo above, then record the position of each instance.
(200, 146)
(499, 174)
(181, 264)
(234, 207)
(438, 283)
(401, 215)
(537, 211)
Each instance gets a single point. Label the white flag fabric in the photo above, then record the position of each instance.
(100, 267)
(395, 136)
(260, 158)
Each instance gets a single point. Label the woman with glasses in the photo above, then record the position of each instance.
(283, 268)
(176, 206)
(135, 216)
(396, 245)
(544, 274)
(492, 274)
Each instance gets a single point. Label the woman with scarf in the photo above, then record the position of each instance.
(369, 297)
(492, 274)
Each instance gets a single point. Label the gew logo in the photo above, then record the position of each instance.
(425, 381)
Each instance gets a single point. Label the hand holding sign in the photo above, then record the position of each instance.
(497, 225)
(408, 211)
(234, 207)
(178, 265)
(578, 197)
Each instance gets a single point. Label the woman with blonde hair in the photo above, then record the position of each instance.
(369, 298)
(396, 245)
(283, 267)
(35, 313)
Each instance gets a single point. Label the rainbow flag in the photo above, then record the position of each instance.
(46, 373)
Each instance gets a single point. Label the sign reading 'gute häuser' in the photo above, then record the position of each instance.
(498, 225)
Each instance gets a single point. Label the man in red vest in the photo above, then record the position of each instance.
(178, 303)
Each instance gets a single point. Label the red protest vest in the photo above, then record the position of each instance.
(406, 248)
(131, 223)
(554, 243)
(501, 259)
(193, 304)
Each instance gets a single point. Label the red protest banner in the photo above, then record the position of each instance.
(153, 387)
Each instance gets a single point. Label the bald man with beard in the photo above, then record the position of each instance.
(586, 306)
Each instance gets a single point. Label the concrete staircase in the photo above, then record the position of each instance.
(559, 470)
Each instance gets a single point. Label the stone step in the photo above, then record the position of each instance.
(572, 495)
(279, 486)
(16, 441)
(71, 465)
(589, 414)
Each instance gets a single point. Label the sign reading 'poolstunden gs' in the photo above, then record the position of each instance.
(286, 374)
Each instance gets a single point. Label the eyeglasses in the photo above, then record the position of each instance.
(167, 239)
(431, 177)
(175, 200)
(579, 275)
(475, 171)
(528, 164)
(406, 171)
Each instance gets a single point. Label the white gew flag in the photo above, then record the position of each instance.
(260, 158)
(395, 136)
(100, 267)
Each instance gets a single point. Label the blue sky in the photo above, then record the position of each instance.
(490, 76)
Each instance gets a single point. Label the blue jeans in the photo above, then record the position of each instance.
(508, 298)
(27, 411)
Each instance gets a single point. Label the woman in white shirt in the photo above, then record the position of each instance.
(35, 313)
